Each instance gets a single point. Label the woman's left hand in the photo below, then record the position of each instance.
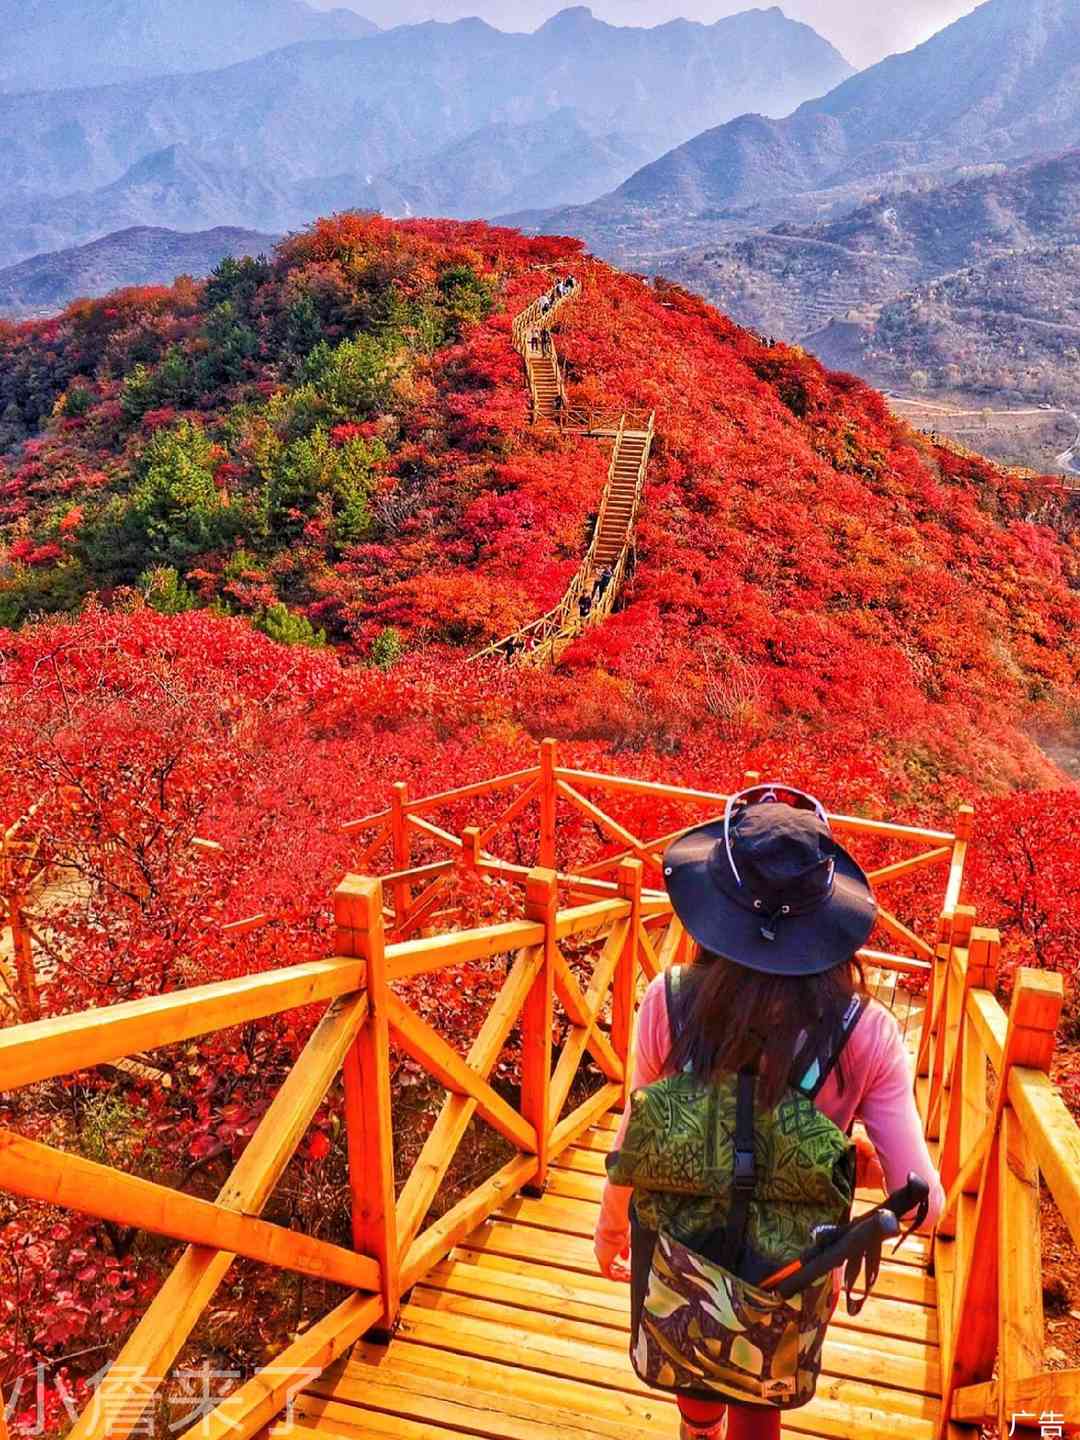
(614, 1264)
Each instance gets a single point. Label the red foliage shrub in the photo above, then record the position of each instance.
(1025, 881)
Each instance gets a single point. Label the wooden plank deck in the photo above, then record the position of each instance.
(516, 1336)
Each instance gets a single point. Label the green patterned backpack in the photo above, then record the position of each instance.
(725, 1194)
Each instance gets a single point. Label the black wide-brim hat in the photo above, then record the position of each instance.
(804, 905)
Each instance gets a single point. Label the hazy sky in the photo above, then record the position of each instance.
(865, 30)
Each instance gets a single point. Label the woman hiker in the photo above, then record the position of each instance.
(778, 910)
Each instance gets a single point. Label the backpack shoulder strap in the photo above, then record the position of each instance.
(676, 997)
(819, 1054)
(744, 1174)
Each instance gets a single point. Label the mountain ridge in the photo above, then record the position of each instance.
(1020, 97)
(890, 243)
(53, 45)
(364, 105)
(172, 188)
(139, 255)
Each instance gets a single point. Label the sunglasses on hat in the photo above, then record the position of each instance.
(768, 794)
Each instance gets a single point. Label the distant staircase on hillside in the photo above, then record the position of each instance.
(622, 495)
(545, 382)
(592, 593)
(536, 346)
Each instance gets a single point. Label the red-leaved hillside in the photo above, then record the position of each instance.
(344, 432)
(334, 447)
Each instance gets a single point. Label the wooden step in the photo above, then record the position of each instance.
(469, 1293)
(496, 1377)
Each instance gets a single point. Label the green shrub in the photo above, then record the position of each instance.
(236, 282)
(137, 393)
(47, 590)
(312, 467)
(387, 649)
(78, 401)
(171, 383)
(230, 345)
(303, 326)
(240, 563)
(173, 512)
(352, 379)
(165, 592)
(282, 625)
(468, 296)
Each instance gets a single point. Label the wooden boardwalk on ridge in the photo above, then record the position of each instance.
(516, 1336)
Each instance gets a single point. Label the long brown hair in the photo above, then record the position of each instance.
(737, 1019)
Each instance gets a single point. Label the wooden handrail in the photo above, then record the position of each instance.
(987, 1252)
(650, 789)
(591, 420)
(391, 1251)
(538, 316)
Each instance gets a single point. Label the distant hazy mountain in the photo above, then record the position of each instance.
(362, 107)
(56, 44)
(793, 279)
(139, 256)
(1002, 83)
(505, 166)
(170, 188)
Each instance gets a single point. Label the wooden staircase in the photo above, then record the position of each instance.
(608, 560)
(546, 384)
(615, 524)
(543, 641)
(516, 1335)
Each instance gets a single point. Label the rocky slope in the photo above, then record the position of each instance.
(790, 279)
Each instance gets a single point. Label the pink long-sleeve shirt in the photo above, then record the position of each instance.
(877, 1090)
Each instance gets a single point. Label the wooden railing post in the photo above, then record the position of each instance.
(548, 799)
(470, 847)
(1021, 1333)
(967, 1108)
(986, 1292)
(1021, 1337)
(935, 988)
(358, 914)
(946, 939)
(537, 1021)
(631, 874)
(951, 1000)
(400, 838)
